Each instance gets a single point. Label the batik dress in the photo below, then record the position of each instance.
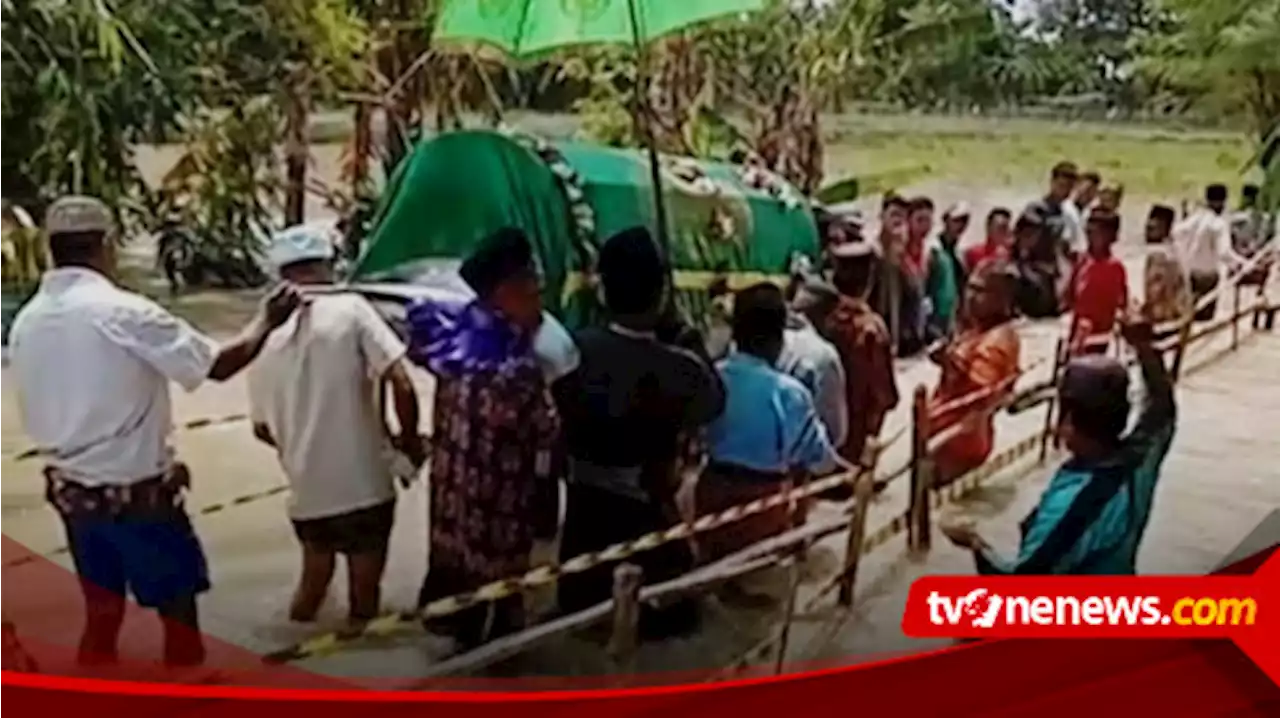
(494, 445)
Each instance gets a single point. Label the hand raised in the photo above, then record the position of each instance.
(280, 303)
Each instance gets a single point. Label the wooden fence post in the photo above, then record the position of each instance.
(1235, 317)
(928, 472)
(627, 578)
(789, 608)
(1180, 349)
(1046, 436)
(863, 488)
(918, 511)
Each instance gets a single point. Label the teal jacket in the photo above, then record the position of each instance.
(943, 287)
(1091, 518)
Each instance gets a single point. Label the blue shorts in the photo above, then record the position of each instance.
(155, 555)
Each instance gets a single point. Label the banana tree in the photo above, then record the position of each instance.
(82, 85)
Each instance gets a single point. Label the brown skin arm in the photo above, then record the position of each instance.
(237, 354)
(405, 398)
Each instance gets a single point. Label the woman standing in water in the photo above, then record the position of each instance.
(495, 432)
(983, 357)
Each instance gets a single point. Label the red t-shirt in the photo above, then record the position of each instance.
(1100, 290)
(975, 256)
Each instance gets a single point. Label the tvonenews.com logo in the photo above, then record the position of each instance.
(981, 608)
(1080, 606)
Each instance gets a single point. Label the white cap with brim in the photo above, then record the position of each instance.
(76, 214)
(301, 243)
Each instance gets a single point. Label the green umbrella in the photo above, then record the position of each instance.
(529, 27)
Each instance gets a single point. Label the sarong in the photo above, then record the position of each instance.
(722, 486)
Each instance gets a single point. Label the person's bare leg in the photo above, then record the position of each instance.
(313, 586)
(104, 615)
(364, 584)
(183, 644)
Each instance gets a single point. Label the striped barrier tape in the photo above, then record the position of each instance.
(391, 623)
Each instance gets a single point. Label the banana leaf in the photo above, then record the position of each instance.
(867, 185)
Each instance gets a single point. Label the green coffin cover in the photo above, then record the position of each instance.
(456, 188)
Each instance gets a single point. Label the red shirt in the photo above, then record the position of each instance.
(1099, 291)
(975, 256)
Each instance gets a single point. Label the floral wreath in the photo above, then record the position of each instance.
(575, 192)
(687, 175)
(756, 175)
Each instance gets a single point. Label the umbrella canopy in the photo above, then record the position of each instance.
(527, 27)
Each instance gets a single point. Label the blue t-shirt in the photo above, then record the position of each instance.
(769, 423)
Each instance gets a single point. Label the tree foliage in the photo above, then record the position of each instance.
(86, 81)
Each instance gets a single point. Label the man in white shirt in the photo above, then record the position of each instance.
(1077, 210)
(1203, 245)
(93, 364)
(312, 395)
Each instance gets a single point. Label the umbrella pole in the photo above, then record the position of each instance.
(642, 105)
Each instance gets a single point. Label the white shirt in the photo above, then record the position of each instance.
(314, 386)
(1074, 226)
(1203, 242)
(93, 365)
(807, 356)
(555, 349)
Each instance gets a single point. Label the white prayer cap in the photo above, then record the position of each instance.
(77, 213)
(957, 210)
(301, 243)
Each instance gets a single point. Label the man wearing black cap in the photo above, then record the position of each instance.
(1091, 518)
(625, 409)
(865, 345)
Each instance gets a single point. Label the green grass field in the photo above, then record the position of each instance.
(1150, 162)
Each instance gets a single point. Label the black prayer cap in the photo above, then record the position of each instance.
(632, 271)
(503, 255)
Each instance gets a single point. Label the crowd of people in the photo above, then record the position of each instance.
(624, 417)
